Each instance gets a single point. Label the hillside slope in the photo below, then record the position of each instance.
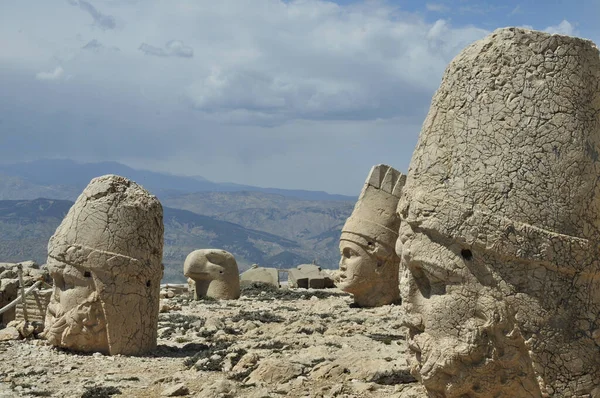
(26, 226)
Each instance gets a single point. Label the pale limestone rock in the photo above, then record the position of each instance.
(214, 273)
(176, 390)
(9, 291)
(276, 371)
(270, 276)
(105, 259)
(369, 265)
(500, 230)
(9, 333)
(309, 276)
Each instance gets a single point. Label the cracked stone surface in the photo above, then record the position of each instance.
(369, 264)
(105, 260)
(500, 222)
(214, 273)
(269, 343)
(260, 274)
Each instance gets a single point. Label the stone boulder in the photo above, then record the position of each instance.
(309, 276)
(269, 276)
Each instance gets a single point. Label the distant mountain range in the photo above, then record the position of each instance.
(65, 179)
(271, 227)
(26, 226)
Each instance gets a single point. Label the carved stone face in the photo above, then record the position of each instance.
(359, 269)
(105, 260)
(368, 264)
(74, 316)
(461, 332)
(215, 273)
(500, 222)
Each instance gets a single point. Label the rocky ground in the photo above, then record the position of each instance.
(269, 343)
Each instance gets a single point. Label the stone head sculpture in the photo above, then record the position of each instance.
(214, 272)
(500, 222)
(105, 260)
(369, 264)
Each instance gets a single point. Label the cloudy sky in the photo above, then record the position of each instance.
(304, 94)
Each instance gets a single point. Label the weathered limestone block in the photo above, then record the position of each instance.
(214, 272)
(500, 230)
(9, 290)
(105, 259)
(308, 276)
(369, 264)
(269, 276)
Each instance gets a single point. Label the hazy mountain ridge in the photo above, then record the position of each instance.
(68, 178)
(314, 225)
(271, 229)
(26, 226)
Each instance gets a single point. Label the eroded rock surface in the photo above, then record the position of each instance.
(309, 276)
(9, 287)
(500, 227)
(270, 276)
(369, 264)
(214, 273)
(315, 347)
(105, 259)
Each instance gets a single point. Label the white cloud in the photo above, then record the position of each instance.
(303, 88)
(436, 7)
(54, 75)
(563, 28)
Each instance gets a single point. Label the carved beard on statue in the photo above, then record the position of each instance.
(464, 336)
(82, 327)
(483, 360)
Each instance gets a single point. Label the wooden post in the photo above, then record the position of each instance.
(20, 272)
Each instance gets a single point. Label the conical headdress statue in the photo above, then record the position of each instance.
(369, 265)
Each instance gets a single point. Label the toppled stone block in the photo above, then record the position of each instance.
(309, 276)
(269, 276)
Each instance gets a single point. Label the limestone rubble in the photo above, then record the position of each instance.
(270, 342)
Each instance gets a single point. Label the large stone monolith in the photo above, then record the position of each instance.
(500, 230)
(105, 260)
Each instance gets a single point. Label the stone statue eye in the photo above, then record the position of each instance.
(348, 252)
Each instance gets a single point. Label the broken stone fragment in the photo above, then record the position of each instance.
(269, 276)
